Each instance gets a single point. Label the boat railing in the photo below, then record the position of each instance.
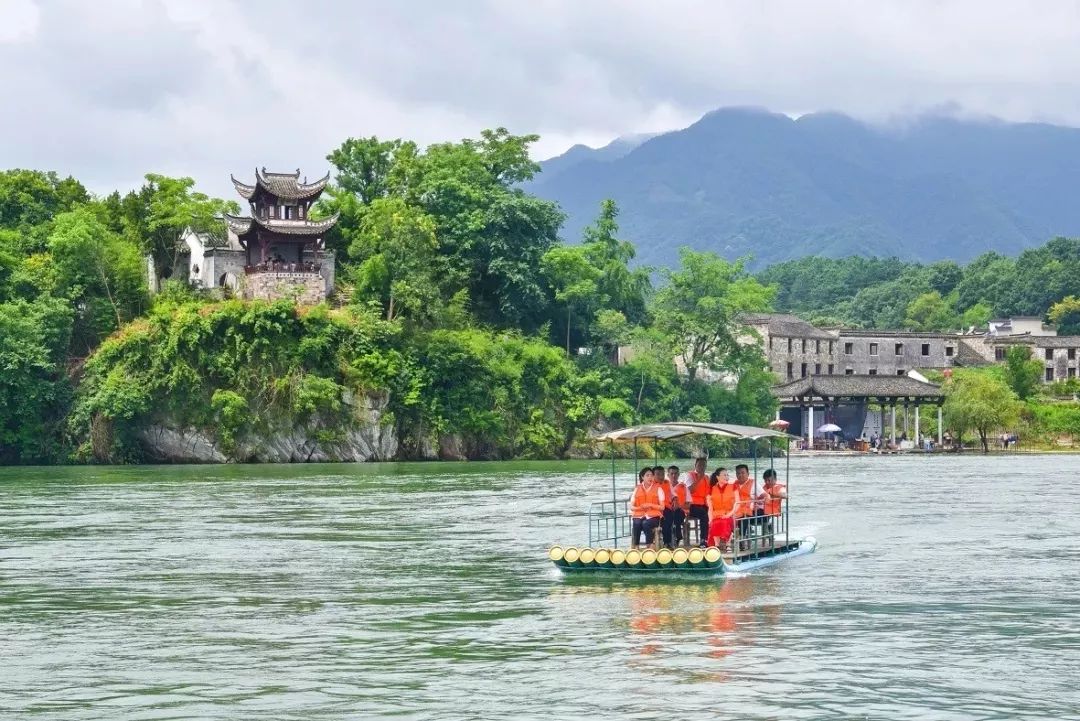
(608, 521)
(758, 535)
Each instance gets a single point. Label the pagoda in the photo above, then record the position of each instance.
(279, 235)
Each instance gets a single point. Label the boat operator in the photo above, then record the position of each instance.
(698, 483)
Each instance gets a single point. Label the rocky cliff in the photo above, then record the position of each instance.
(367, 439)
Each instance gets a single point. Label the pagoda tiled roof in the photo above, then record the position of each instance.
(241, 224)
(285, 186)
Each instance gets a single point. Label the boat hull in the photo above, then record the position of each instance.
(707, 566)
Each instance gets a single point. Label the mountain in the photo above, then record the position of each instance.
(749, 182)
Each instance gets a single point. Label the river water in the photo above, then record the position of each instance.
(422, 591)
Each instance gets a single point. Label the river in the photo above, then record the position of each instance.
(422, 591)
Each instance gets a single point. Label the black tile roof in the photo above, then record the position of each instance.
(857, 386)
(785, 325)
(241, 224)
(285, 186)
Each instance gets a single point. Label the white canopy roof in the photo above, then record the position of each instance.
(681, 429)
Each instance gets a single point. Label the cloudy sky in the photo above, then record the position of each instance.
(111, 89)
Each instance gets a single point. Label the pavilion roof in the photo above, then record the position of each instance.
(857, 386)
(241, 224)
(286, 186)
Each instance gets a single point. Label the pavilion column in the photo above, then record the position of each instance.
(917, 438)
(939, 428)
(810, 424)
(777, 413)
(905, 417)
(892, 417)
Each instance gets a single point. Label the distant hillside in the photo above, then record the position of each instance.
(744, 181)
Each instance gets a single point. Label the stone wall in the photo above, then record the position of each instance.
(897, 353)
(304, 288)
(219, 263)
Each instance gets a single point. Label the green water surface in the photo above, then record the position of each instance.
(943, 588)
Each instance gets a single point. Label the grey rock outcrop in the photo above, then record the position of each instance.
(366, 439)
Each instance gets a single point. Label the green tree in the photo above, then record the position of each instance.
(99, 272)
(977, 316)
(396, 250)
(1066, 315)
(979, 401)
(929, 312)
(491, 233)
(1022, 374)
(699, 307)
(575, 281)
(156, 216)
(34, 389)
(620, 287)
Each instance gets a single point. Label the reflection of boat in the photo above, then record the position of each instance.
(762, 541)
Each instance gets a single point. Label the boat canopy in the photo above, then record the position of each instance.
(681, 429)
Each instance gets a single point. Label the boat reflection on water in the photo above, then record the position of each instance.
(663, 618)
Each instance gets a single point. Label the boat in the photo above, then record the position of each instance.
(609, 521)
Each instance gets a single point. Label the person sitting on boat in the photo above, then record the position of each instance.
(772, 500)
(646, 508)
(680, 503)
(723, 498)
(698, 483)
(667, 518)
(744, 509)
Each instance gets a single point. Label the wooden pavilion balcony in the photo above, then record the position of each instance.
(270, 266)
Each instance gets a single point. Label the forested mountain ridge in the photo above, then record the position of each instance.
(748, 182)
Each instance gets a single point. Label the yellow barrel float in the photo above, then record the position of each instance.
(556, 553)
(633, 559)
(618, 558)
(664, 558)
(603, 558)
(680, 557)
(712, 556)
(696, 558)
(572, 556)
(587, 556)
(648, 559)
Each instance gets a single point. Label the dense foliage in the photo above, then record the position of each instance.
(888, 293)
(459, 310)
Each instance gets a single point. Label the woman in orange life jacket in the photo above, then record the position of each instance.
(680, 503)
(722, 503)
(698, 483)
(646, 507)
(772, 501)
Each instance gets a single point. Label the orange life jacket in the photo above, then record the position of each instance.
(642, 496)
(699, 495)
(775, 501)
(682, 496)
(665, 486)
(746, 499)
(721, 499)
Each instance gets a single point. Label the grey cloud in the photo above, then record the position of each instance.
(111, 90)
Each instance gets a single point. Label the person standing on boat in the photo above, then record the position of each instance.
(646, 508)
(698, 483)
(667, 519)
(680, 503)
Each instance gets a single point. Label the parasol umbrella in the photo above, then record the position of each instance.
(829, 428)
(778, 423)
